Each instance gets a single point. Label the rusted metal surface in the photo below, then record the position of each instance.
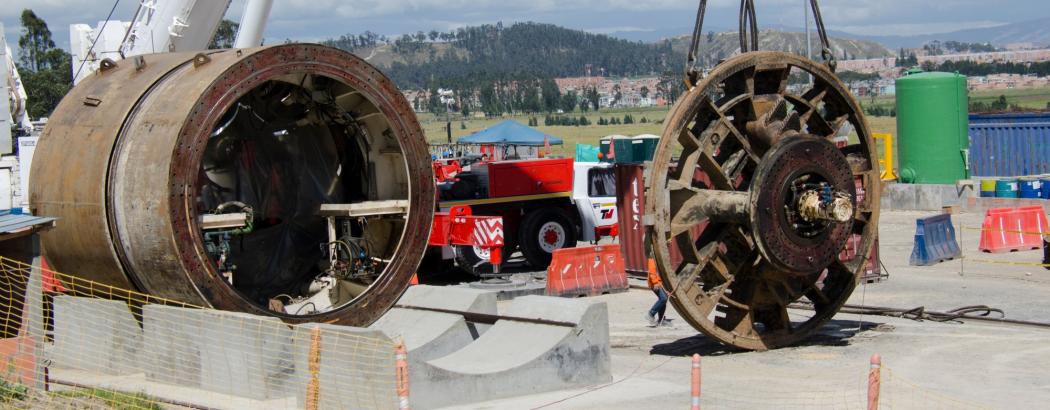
(126, 194)
(754, 135)
(630, 209)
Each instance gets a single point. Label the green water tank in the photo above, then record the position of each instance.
(932, 128)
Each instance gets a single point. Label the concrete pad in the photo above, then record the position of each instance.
(172, 339)
(245, 355)
(357, 367)
(95, 335)
(138, 384)
(519, 358)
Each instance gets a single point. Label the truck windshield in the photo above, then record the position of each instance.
(601, 182)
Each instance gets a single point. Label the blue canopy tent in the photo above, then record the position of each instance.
(509, 132)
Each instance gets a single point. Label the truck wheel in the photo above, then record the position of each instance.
(542, 233)
(473, 259)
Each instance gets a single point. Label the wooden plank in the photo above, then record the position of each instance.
(370, 208)
(224, 221)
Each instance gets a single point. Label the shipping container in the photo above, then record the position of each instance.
(1010, 118)
(1009, 149)
(630, 206)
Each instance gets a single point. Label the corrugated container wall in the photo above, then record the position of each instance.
(630, 206)
(1010, 118)
(931, 128)
(1009, 149)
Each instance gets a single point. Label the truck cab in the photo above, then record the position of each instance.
(594, 195)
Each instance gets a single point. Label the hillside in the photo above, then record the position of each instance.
(1032, 31)
(492, 53)
(726, 44)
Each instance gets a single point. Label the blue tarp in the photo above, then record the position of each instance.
(509, 132)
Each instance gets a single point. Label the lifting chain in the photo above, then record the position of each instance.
(748, 35)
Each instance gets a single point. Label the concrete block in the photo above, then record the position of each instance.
(245, 355)
(430, 335)
(450, 298)
(923, 197)
(95, 335)
(171, 352)
(357, 367)
(518, 358)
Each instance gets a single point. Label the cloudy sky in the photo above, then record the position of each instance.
(312, 20)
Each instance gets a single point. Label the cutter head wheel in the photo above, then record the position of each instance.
(752, 202)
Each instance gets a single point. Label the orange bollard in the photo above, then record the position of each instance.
(874, 381)
(696, 382)
(401, 355)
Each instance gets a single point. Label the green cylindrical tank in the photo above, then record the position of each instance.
(932, 128)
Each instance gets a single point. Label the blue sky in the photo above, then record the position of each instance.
(312, 20)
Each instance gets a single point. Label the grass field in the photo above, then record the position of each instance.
(1028, 98)
(434, 127)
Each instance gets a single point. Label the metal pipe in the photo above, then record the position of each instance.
(136, 146)
(253, 23)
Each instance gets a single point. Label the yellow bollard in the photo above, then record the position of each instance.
(886, 163)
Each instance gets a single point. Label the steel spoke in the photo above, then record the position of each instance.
(772, 80)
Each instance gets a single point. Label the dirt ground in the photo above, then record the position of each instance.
(926, 364)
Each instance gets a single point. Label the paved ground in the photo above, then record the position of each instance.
(931, 365)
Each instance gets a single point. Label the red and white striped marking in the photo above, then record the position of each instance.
(488, 232)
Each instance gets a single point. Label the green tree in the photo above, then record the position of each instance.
(551, 95)
(644, 92)
(569, 101)
(46, 70)
(35, 42)
(225, 35)
(594, 98)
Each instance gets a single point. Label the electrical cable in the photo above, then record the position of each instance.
(958, 315)
(99, 35)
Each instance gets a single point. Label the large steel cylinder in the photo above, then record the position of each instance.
(137, 154)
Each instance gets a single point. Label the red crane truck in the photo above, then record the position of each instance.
(545, 204)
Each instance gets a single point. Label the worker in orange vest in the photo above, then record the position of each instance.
(656, 313)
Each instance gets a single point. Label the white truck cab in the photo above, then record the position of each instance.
(594, 195)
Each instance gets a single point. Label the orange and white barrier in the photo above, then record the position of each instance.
(586, 271)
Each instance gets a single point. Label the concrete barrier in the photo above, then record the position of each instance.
(245, 355)
(95, 335)
(518, 357)
(356, 368)
(173, 337)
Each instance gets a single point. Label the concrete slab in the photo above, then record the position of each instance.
(185, 397)
(517, 358)
(95, 335)
(245, 355)
(357, 367)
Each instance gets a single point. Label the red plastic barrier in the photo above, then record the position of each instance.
(1013, 229)
(586, 271)
(48, 280)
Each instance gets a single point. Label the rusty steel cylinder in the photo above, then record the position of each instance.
(137, 154)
